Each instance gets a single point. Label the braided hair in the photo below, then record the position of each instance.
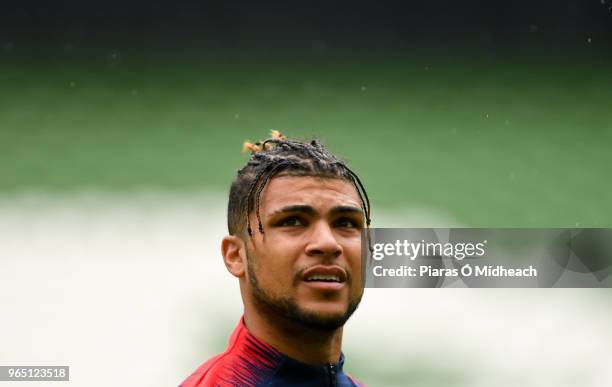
(278, 155)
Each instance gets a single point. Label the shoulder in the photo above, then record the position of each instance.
(211, 373)
(246, 361)
(232, 369)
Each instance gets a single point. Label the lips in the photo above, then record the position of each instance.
(325, 277)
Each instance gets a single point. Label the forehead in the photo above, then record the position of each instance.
(321, 193)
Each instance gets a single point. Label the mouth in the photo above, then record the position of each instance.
(325, 277)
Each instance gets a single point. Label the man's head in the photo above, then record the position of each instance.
(295, 217)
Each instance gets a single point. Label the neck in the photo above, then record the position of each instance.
(300, 343)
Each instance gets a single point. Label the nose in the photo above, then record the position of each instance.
(323, 241)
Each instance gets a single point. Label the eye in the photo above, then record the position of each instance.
(347, 223)
(291, 221)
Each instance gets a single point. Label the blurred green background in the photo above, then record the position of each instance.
(490, 140)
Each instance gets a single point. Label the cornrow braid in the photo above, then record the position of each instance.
(272, 157)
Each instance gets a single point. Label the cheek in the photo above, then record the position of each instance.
(353, 256)
(283, 246)
(352, 250)
(277, 262)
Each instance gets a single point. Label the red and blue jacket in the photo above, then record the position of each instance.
(248, 361)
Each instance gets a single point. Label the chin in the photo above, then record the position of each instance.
(325, 310)
(323, 316)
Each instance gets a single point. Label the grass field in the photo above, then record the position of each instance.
(494, 142)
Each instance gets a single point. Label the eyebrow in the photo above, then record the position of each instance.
(346, 209)
(303, 208)
(306, 209)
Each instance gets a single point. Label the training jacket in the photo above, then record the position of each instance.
(248, 361)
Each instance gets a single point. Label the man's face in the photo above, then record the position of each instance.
(307, 266)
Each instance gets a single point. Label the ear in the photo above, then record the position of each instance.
(234, 255)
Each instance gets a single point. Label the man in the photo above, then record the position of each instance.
(295, 217)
